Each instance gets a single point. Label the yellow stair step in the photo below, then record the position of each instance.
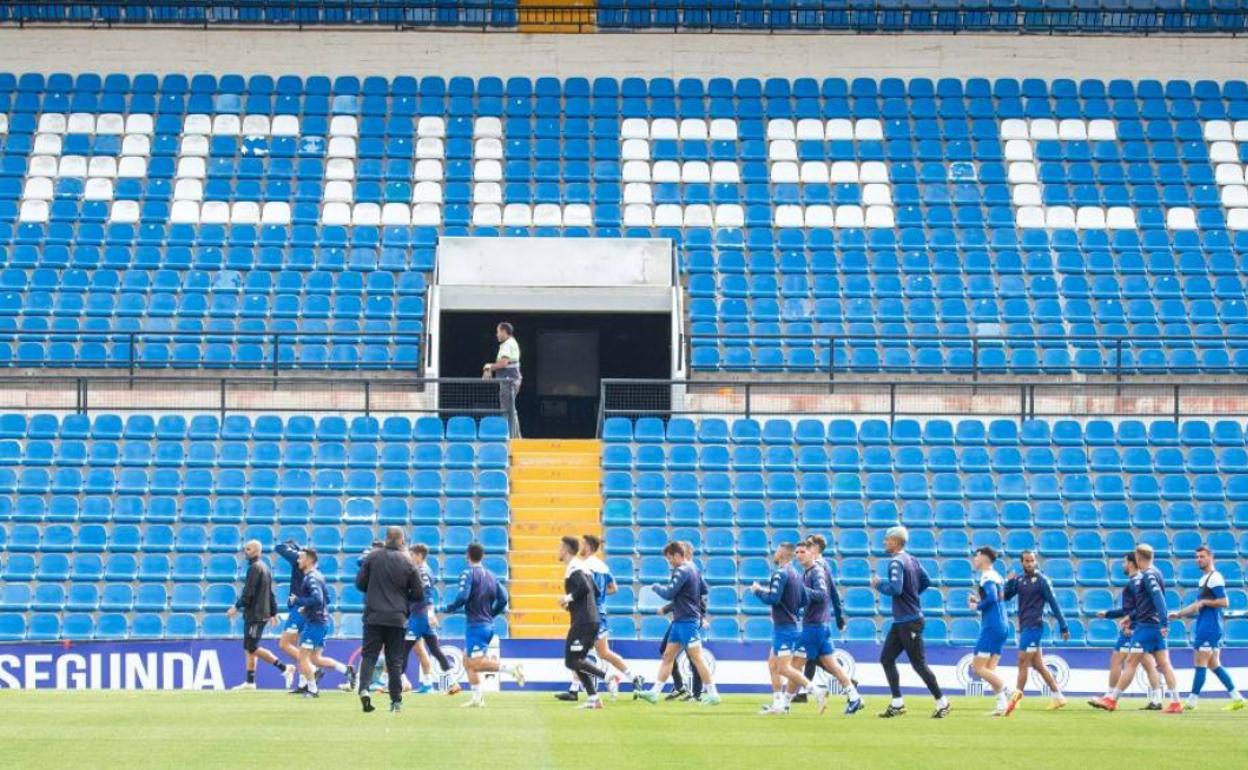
(538, 632)
(538, 445)
(588, 472)
(546, 500)
(535, 602)
(529, 586)
(555, 462)
(555, 617)
(553, 530)
(558, 487)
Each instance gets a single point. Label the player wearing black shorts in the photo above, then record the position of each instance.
(580, 599)
(259, 606)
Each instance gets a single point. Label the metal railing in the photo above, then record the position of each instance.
(138, 352)
(346, 394)
(1120, 356)
(890, 400)
(793, 16)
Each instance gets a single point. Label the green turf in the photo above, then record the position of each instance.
(532, 730)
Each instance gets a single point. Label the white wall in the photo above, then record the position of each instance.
(374, 52)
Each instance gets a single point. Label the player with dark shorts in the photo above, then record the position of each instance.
(580, 599)
(259, 606)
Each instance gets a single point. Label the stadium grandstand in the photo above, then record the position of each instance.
(981, 281)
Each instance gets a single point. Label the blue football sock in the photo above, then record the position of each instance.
(1224, 677)
(1198, 681)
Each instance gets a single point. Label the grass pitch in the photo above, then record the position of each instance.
(532, 730)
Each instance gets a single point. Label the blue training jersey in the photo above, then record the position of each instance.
(834, 596)
(818, 602)
(684, 593)
(992, 601)
(1150, 598)
(906, 580)
(1209, 619)
(1034, 592)
(313, 600)
(783, 593)
(1128, 603)
(480, 596)
(290, 552)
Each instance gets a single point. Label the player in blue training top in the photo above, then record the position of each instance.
(422, 624)
(482, 598)
(1148, 633)
(784, 594)
(989, 599)
(1118, 659)
(684, 592)
(819, 593)
(1211, 599)
(313, 604)
(588, 561)
(906, 580)
(1034, 592)
(289, 639)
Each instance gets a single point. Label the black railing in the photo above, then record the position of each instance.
(270, 352)
(1118, 356)
(1137, 399)
(780, 16)
(341, 394)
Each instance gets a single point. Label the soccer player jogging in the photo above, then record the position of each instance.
(580, 599)
(816, 638)
(293, 627)
(684, 591)
(313, 604)
(1148, 633)
(989, 599)
(422, 622)
(906, 580)
(784, 595)
(1034, 592)
(587, 560)
(1207, 636)
(482, 598)
(258, 606)
(1119, 657)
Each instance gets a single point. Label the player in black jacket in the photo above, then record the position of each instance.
(580, 599)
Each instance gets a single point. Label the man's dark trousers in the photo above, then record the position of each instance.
(389, 638)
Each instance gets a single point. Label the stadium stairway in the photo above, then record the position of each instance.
(556, 489)
(561, 16)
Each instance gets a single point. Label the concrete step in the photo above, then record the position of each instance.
(561, 487)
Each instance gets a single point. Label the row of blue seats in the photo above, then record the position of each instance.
(181, 304)
(872, 459)
(153, 597)
(399, 13)
(349, 356)
(1016, 514)
(140, 453)
(932, 432)
(842, 283)
(938, 360)
(183, 568)
(1070, 16)
(752, 540)
(229, 539)
(948, 571)
(109, 626)
(88, 83)
(208, 279)
(264, 482)
(280, 249)
(730, 600)
(258, 511)
(241, 427)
